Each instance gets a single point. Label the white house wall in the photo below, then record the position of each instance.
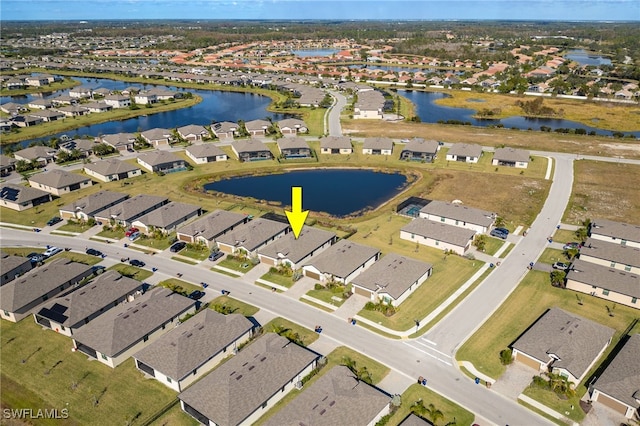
(434, 243)
(449, 221)
(614, 240)
(622, 299)
(610, 264)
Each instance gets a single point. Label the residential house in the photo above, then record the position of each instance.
(48, 115)
(294, 252)
(563, 344)
(166, 218)
(257, 127)
(251, 150)
(604, 282)
(13, 108)
(11, 267)
(294, 147)
(125, 329)
(83, 146)
(158, 138)
(335, 145)
(40, 104)
(242, 389)
(7, 165)
(127, 211)
(18, 197)
(208, 228)
(188, 352)
(145, 98)
(418, 149)
(162, 162)
(67, 313)
(463, 152)
(42, 155)
(63, 100)
(369, 105)
(205, 153)
(58, 182)
(413, 420)
(20, 297)
(37, 81)
(81, 92)
(511, 157)
(225, 129)
(338, 397)
(193, 133)
(112, 169)
(98, 107)
(458, 214)
(616, 256)
(73, 110)
(292, 126)
(618, 386)
(121, 142)
(625, 234)
(26, 120)
(377, 146)
(252, 236)
(341, 262)
(87, 207)
(117, 101)
(391, 279)
(438, 235)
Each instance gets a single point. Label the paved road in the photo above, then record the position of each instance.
(335, 129)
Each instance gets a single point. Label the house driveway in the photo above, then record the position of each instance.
(514, 380)
(600, 415)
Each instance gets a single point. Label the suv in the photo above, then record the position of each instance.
(500, 233)
(94, 252)
(51, 251)
(136, 262)
(561, 266)
(215, 255)
(131, 231)
(54, 220)
(177, 246)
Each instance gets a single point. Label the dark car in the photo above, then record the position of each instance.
(500, 233)
(136, 262)
(196, 295)
(94, 252)
(215, 256)
(54, 220)
(177, 246)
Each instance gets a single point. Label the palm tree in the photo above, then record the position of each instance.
(433, 413)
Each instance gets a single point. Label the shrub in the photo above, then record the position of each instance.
(506, 357)
(318, 286)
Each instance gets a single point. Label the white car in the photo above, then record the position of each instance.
(51, 251)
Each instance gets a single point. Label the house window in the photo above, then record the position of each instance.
(264, 405)
(627, 268)
(145, 338)
(62, 328)
(613, 265)
(45, 297)
(106, 358)
(195, 371)
(442, 219)
(437, 243)
(457, 222)
(634, 299)
(413, 236)
(168, 379)
(605, 292)
(6, 314)
(623, 242)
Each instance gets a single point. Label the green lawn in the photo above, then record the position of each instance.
(175, 417)
(564, 236)
(156, 243)
(78, 257)
(552, 256)
(243, 266)
(78, 227)
(179, 286)
(492, 245)
(52, 376)
(306, 336)
(238, 306)
(22, 251)
(552, 400)
(507, 251)
(326, 296)
(183, 260)
(116, 234)
(132, 271)
(196, 252)
(278, 279)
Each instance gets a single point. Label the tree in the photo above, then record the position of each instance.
(557, 278)
(480, 241)
(433, 413)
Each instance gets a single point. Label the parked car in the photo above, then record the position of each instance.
(51, 251)
(54, 220)
(500, 233)
(36, 257)
(571, 245)
(134, 236)
(215, 255)
(136, 262)
(131, 231)
(94, 252)
(176, 247)
(196, 294)
(561, 266)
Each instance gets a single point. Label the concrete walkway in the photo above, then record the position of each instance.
(351, 306)
(547, 410)
(302, 286)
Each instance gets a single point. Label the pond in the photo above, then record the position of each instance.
(584, 58)
(305, 53)
(430, 112)
(338, 192)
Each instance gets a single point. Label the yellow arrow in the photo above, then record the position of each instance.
(296, 216)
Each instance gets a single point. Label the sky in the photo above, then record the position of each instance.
(558, 10)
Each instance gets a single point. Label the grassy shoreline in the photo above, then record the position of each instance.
(53, 87)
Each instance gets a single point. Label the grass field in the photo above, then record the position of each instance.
(564, 236)
(552, 256)
(306, 336)
(53, 377)
(240, 266)
(278, 279)
(175, 284)
(78, 227)
(22, 251)
(156, 243)
(132, 271)
(78, 257)
(595, 195)
(238, 307)
(327, 296)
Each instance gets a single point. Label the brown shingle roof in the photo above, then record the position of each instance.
(621, 378)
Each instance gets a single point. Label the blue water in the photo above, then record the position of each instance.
(215, 106)
(305, 53)
(429, 112)
(584, 58)
(396, 69)
(339, 192)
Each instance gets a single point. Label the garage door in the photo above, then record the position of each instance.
(225, 248)
(361, 291)
(528, 361)
(267, 260)
(67, 215)
(612, 403)
(185, 238)
(308, 273)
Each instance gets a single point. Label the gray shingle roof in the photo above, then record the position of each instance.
(34, 152)
(237, 388)
(511, 155)
(119, 139)
(82, 145)
(309, 239)
(342, 258)
(257, 125)
(213, 224)
(336, 398)
(157, 158)
(465, 150)
(186, 348)
(413, 420)
(421, 145)
(168, 214)
(20, 194)
(7, 161)
(192, 129)
(156, 134)
(378, 143)
(335, 142)
(205, 150)
(439, 231)
(9, 262)
(253, 234)
(132, 208)
(249, 145)
(58, 178)
(110, 166)
(619, 230)
(40, 281)
(393, 274)
(575, 340)
(604, 277)
(224, 127)
(618, 253)
(95, 202)
(459, 212)
(74, 307)
(621, 378)
(122, 326)
(293, 123)
(292, 143)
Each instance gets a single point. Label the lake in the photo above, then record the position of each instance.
(430, 112)
(584, 58)
(305, 53)
(338, 192)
